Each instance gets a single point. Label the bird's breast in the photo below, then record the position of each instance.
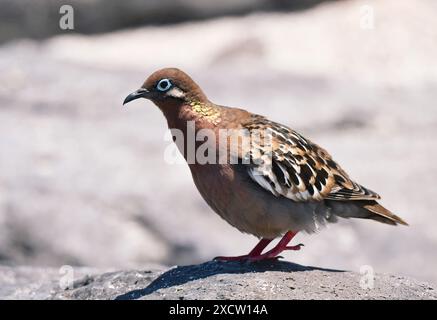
(229, 191)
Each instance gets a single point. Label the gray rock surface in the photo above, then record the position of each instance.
(210, 280)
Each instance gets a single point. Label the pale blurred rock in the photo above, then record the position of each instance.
(83, 181)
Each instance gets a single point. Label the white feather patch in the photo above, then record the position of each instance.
(175, 92)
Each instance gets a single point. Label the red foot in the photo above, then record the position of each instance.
(254, 253)
(295, 248)
(257, 255)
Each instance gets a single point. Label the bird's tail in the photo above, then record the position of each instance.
(365, 209)
(381, 214)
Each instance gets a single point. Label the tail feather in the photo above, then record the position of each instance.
(386, 215)
(365, 209)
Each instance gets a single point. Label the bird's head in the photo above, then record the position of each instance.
(169, 88)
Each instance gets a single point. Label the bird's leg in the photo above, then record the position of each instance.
(257, 255)
(280, 247)
(262, 244)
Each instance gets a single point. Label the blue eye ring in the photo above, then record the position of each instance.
(163, 85)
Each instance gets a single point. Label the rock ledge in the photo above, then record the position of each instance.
(210, 280)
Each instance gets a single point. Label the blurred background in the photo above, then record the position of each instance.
(83, 181)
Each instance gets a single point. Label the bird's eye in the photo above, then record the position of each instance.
(163, 85)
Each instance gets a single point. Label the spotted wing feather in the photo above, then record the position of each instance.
(286, 164)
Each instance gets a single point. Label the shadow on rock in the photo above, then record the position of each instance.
(184, 274)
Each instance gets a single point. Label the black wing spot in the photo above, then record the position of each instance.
(339, 179)
(279, 173)
(292, 174)
(305, 174)
(331, 163)
(311, 162)
(322, 174)
(318, 185)
(310, 189)
(272, 184)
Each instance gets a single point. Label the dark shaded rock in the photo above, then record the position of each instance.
(39, 19)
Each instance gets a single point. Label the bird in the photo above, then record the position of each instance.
(279, 184)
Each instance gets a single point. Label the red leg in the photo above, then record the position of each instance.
(280, 247)
(262, 244)
(256, 253)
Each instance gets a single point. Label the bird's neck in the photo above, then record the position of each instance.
(191, 117)
(186, 120)
(201, 114)
(203, 111)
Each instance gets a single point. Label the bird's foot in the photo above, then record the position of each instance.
(273, 254)
(269, 255)
(295, 248)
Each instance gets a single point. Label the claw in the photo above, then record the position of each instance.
(295, 248)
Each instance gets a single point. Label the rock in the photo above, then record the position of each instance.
(34, 283)
(210, 280)
(39, 19)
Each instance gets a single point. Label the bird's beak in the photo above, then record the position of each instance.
(140, 93)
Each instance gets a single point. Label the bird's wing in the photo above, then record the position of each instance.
(286, 164)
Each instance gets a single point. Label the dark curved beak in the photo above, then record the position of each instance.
(140, 93)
